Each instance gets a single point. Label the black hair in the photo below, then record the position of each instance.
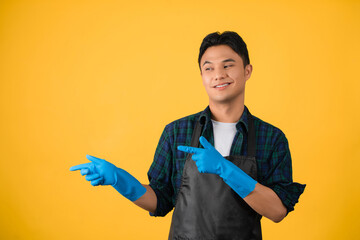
(229, 38)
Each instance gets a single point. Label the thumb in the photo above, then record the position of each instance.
(93, 159)
(205, 143)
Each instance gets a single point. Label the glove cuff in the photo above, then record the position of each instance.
(127, 185)
(237, 179)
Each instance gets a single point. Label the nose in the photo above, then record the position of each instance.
(220, 74)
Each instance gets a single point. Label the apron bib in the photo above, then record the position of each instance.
(207, 208)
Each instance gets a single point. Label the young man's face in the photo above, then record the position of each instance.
(221, 65)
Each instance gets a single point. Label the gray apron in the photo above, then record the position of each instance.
(207, 208)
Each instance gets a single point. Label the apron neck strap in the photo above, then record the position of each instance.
(251, 146)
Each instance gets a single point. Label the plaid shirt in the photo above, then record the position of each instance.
(272, 156)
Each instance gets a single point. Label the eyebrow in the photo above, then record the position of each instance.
(226, 60)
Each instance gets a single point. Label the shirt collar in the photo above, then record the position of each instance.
(205, 118)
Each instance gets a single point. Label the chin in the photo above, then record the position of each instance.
(220, 100)
(225, 99)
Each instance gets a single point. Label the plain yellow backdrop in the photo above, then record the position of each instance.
(105, 77)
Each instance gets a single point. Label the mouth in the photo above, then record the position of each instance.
(222, 86)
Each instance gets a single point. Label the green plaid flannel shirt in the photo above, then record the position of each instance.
(272, 155)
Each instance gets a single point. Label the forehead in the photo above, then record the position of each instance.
(219, 53)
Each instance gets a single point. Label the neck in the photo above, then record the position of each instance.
(227, 112)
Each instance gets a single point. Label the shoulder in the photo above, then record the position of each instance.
(268, 132)
(182, 123)
(180, 130)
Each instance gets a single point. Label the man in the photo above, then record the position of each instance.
(221, 168)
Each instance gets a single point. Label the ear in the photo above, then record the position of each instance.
(247, 71)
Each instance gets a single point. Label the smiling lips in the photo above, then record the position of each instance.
(222, 86)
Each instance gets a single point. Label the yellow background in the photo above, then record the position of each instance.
(105, 77)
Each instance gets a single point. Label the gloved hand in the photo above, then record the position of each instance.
(101, 172)
(209, 160)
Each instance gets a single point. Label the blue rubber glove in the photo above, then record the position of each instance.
(209, 160)
(101, 172)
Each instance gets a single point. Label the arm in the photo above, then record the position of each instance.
(157, 198)
(148, 201)
(259, 197)
(277, 194)
(101, 172)
(279, 182)
(266, 202)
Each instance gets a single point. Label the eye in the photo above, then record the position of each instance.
(227, 66)
(207, 69)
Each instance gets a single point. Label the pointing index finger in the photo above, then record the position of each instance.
(81, 166)
(189, 149)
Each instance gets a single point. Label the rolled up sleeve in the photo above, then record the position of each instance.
(159, 176)
(279, 177)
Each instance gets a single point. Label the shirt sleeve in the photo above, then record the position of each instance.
(279, 178)
(159, 175)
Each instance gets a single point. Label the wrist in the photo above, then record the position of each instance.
(115, 177)
(237, 179)
(221, 166)
(226, 168)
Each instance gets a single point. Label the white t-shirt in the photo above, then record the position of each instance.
(224, 134)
